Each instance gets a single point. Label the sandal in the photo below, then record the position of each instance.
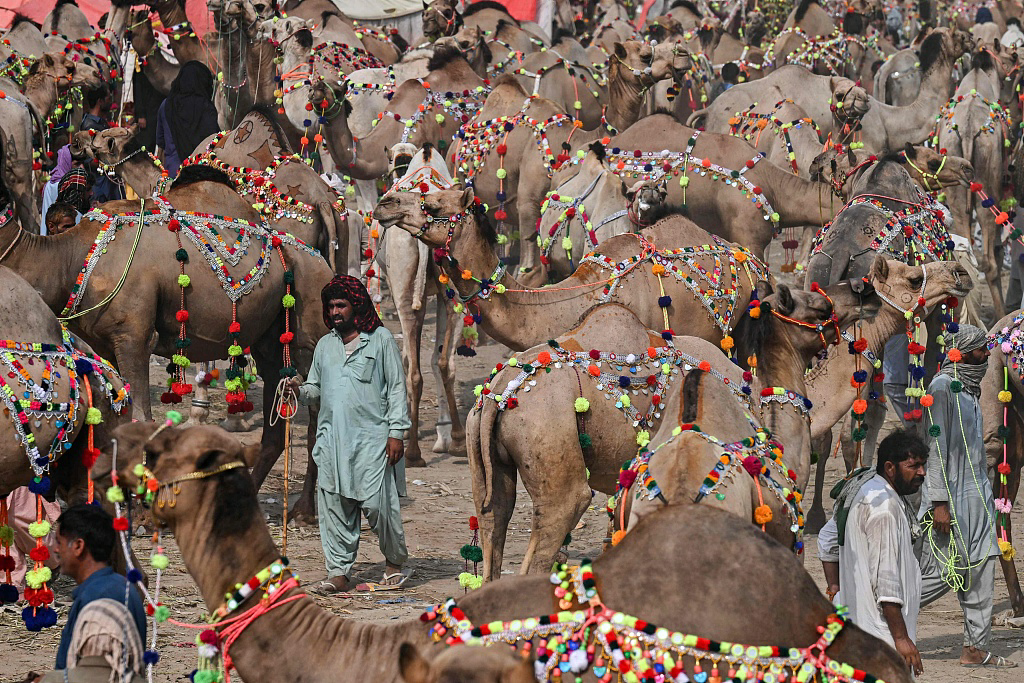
(992, 661)
(371, 587)
(326, 587)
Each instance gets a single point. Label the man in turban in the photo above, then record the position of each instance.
(358, 381)
(957, 507)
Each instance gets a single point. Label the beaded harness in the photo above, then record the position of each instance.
(607, 642)
(831, 53)
(748, 125)
(571, 207)
(462, 106)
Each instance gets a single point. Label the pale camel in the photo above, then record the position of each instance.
(24, 39)
(881, 127)
(1004, 375)
(974, 126)
(828, 383)
(26, 319)
(898, 80)
(48, 82)
(65, 22)
(333, 26)
(131, 327)
(725, 608)
(442, 18)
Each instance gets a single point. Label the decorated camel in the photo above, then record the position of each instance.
(898, 80)
(270, 285)
(442, 18)
(845, 111)
(152, 60)
(723, 608)
(1002, 399)
(24, 39)
(22, 114)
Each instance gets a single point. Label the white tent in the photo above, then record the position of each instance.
(404, 15)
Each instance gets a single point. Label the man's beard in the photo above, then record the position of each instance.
(905, 488)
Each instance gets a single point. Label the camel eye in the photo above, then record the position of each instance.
(916, 281)
(933, 165)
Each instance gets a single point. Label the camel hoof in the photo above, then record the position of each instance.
(458, 447)
(199, 415)
(416, 461)
(234, 423)
(442, 444)
(815, 520)
(301, 519)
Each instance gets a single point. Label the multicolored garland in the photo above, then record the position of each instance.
(614, 645)
(1010, 341)
(30, 407)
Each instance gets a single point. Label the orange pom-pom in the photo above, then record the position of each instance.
(763, 514)
(955, 356)
(927, 400)
(543, 357)
(860, 406)
(594, 371)
(617, 537)
(704, 365)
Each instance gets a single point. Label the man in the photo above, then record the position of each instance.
(730, 77)
(358, 380)
(957, 506)
(98, 102)
(85, 547)
(105, 647)
(867, 548)
(60, 218)
(74, 189)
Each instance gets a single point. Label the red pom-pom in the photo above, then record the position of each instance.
(424, 188)
(861, 345)
(181, 316)
(595, 354)
(121, 524)
(173, 225)
(287, 337)
(258, 181)
(39, 554)
(370, 272)
(975, 187)
(89, 457)
(502, 150)
(626, 478)
(474, 523)
(500, 215)
(235, 327)
(275, 242)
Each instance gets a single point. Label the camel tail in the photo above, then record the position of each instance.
(422, 258)
(697, 118)
(481, 452)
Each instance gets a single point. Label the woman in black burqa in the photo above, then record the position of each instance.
(187, 116)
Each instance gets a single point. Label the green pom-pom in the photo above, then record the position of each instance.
(181, 255)
(289, 277)
(471, 553)
(159, 561)
(552, 343)
(859, 434)
(288, 301)
(6, 535)
(934, 430)
(115, 495)
(162, 613)
(586, 441)
(184, 280)
(93, 416)
(814, 458)
(174, 417)
(956, 386)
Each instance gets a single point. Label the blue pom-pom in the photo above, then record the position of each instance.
(953, 327)
(745, 389)
(42, 461)
(941, 358)
(8, 593)
(799, 545)
(666, 335)
(988, 203)
(39, 486)
(852, 350)
(307, 123)
(150, 656)
(807, 403)
(509, 127)
(918, 372)
(38, 618)
(873, 395)
(624, 382)
(947, 318)
(665, 301)
(450, 293)
(134, 575)
(860, 376)
(83, 367)
(477, 318)
(501, 196)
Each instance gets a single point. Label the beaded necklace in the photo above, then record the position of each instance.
(572, 207)
(749, 125)
(646, 165)
(999, 117)
(831, 53)
(575, 71)
(1010, 341)
(609, 642)
(462, 106)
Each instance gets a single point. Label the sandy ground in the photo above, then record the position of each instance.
(436, 515)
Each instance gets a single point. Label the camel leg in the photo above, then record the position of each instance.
(816, 515)
(133, 364)
(444, 369)
(412, 335)
(18, 176)
(499, 476)
(272, 441)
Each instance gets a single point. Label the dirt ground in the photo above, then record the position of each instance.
(436, 515)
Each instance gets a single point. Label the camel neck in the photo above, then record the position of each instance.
(141, 172)
(625, 97)
(41, 91)
(798, 201)
(259, 65)
(49, 264)
(913, 122)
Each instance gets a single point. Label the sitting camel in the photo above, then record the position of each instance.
(1002, 400)
(728, 608)
(128, 328)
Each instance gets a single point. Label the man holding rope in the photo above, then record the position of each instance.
(358, 381)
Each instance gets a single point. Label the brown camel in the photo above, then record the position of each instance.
(726, 608)
(881, 127)
(828, 383)
(26, 319)
(1004, 375)
(22, 111)
(442, 18)
(185, 44)
(743, 48)
(128, 329)
(152, 60)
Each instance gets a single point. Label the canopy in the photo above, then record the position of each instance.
(36, 10)
(379, 10)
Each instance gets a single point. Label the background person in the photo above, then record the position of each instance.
(187, 116)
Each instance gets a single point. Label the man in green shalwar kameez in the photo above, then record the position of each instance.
(358, 381)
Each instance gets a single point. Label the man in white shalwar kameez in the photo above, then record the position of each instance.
(957, 506)
(870, 537)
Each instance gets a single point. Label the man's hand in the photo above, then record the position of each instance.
(395, 450)
(907, 649)
(940, 518)
(292, 384)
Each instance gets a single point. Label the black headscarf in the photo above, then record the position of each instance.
(189, 110)
(352, 290)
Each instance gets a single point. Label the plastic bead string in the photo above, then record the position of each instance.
(1010, 341)
(30, 407)
(714, 285)
(617, 646)
(572, 207)
(205, 232)
(578, 73)
(999, 117)
(654, 165)
(831, 52)
(952, 564)
(625, 374)
(212, 645)
(497, 68)
(461, 106)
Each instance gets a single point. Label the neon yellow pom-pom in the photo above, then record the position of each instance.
(38, 529)
(643, 438)
(288, 301)
(582, 405)
(1005, 397)
(184, 280)
(115, 495)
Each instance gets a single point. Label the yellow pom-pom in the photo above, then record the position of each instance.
(763, 514)
(582, 405)
(1005, 397)
(1007, 550)
(38, 529)
(93, 416)
(643, 438)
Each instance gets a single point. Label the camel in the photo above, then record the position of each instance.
(129, 329)
(743, 48)
(591, 444)
(898, 80)
(412, 278)
(332, 26)
(23, 38)
(881, 127)
(26, 318)
(185, 45)
(442, 18)
(290, 195)
(48, 82)
(152, 59)
(975, 126)
(726, 608)
(647, 200)
(1003, 375)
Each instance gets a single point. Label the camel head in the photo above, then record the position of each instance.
(437, 219)
(173, 452)
(440, 18)
(140, 34)
(802, 317)
(905, 286)
(645, 198)
(644, 64)
(933, 169)
(108, 147)
(851, 101)
(279, 31)
(756, 27)
(470, 41)
(985, 35)
(65, 72)
(399, 157)
(465, 664)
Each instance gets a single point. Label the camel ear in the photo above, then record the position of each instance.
(620, 51)
(250, 453)
(467, 197)
(520, 673)
(630, 192)
(785, 303)
(413, 667)
(850, 156)
(879, 269)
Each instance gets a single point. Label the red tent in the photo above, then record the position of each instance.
(36, 10)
